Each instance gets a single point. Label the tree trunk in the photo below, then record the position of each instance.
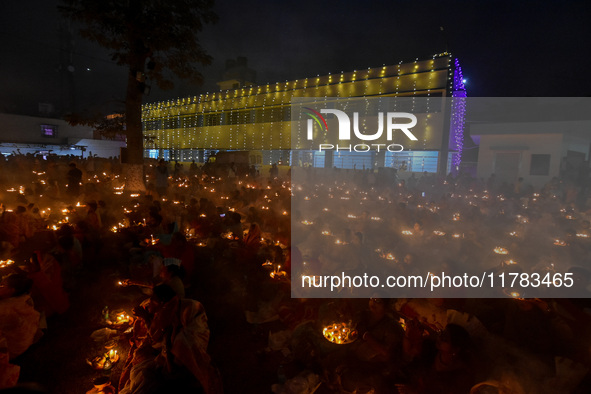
(134, 177)
(134, 162)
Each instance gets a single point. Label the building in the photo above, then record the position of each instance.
(534, 151)
(258, 118)
(46, 135)
(237, 75)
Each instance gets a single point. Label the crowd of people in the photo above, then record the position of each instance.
(200, 241)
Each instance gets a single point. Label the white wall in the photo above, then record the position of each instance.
(576, 144)
(27, 129)
(102, 148)
(526, 145)
(24, 133)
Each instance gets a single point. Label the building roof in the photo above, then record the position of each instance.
(259, 117)
(580, 128)
(419, 78)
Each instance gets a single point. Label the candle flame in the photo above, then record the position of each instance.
(339, 333)
(500, 250)
(6, 263)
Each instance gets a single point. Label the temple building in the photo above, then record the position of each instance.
(257, 118)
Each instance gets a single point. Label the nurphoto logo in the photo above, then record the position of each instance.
(402, 121)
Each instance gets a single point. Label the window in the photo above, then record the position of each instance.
(189, 121)
(153, 124)
(540, 165)
(49, 130)
(259, 116)
(237, 117)
(276, 114)
(287, 113)
(212, 120)
(171, 123)
(415, 161)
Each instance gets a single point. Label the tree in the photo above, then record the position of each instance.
(155, 40)
(111, 127)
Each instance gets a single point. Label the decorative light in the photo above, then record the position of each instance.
(458, 114)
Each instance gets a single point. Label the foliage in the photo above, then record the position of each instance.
(154, 39)
(159, 32)
(111, 127)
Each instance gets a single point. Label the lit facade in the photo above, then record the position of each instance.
(258, 118)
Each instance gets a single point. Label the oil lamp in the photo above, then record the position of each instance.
(500, 250)
(340, 333)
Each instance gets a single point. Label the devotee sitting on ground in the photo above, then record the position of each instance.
(177, 331)
(19, 321)
(93, 220)
(180, 249)
(447, 368)
(47, 289)
(161, 175)
(252, 241)
(170, 274)
(9, 373)
(74, 176)
(9, 229)
(371, 361)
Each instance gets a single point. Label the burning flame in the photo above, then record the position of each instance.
(340, 333)
(500, 250)
(6, 263)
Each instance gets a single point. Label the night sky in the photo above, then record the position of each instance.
(506, 48)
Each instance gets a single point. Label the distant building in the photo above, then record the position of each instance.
(46, 135)
(534, 151)
(237, 75)
(258, 118)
